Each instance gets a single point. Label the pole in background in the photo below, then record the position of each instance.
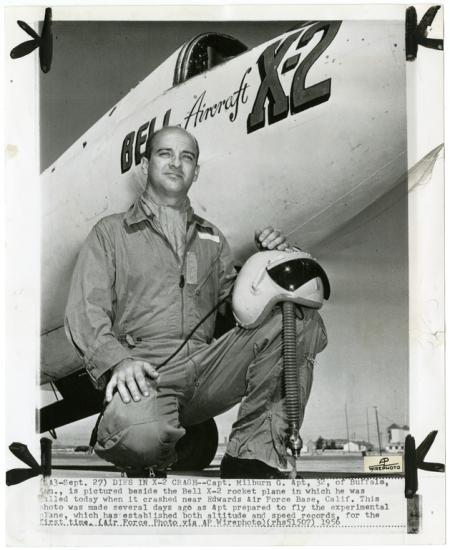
(378, 428)
(367, 423)
(346, 423)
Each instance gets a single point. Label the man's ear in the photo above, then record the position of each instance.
(144, 166)
(196, 172)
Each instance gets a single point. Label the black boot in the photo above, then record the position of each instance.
(243, 468)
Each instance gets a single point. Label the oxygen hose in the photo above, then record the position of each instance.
(291, 381)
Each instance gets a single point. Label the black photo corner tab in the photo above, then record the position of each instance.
(415, 460)
(416, 34)
(43, 42)
(21, 451)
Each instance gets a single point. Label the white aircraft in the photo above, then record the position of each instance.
(285, 134)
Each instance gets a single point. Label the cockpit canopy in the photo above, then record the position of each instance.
(204, 52)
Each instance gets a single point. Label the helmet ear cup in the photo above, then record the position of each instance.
(270, 277)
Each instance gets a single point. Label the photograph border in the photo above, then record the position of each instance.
(427, 333)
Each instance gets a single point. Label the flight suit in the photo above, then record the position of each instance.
(131, 297)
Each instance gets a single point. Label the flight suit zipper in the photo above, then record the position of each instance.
(190, 236)
(181, 280)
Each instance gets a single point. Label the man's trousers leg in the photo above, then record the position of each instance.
(246, 366)
(143, 433)
(242, 366)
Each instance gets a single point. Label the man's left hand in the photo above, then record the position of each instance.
(270, 239)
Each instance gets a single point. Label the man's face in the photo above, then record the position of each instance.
(172, 167)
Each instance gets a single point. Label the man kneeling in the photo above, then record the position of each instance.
(143, 280)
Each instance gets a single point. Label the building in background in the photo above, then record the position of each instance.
(357, 446)
(339, 445)
(396, 438)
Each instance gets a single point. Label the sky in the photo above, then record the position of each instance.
(78, 90)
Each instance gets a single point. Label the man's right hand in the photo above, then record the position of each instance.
(130, 377)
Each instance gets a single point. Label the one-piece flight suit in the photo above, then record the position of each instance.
(131, 297)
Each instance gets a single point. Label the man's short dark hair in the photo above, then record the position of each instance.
(152, 138)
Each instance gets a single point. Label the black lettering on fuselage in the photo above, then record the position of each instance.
(143, 136)
(303, 98)
(270, 88)
(271, 91)
(126, 157)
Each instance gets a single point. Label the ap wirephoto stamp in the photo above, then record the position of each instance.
(225, 289)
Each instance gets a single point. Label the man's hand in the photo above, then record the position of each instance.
(130, 379)
(270, 239)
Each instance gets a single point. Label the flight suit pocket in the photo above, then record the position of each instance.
(315, 335)
(204, 281)
(279, 430)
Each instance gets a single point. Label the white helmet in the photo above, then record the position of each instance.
(275, 276)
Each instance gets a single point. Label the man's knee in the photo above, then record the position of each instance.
(141, 445)
(133, 435)
(310, 329)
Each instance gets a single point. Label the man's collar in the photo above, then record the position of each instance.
(138, 213)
